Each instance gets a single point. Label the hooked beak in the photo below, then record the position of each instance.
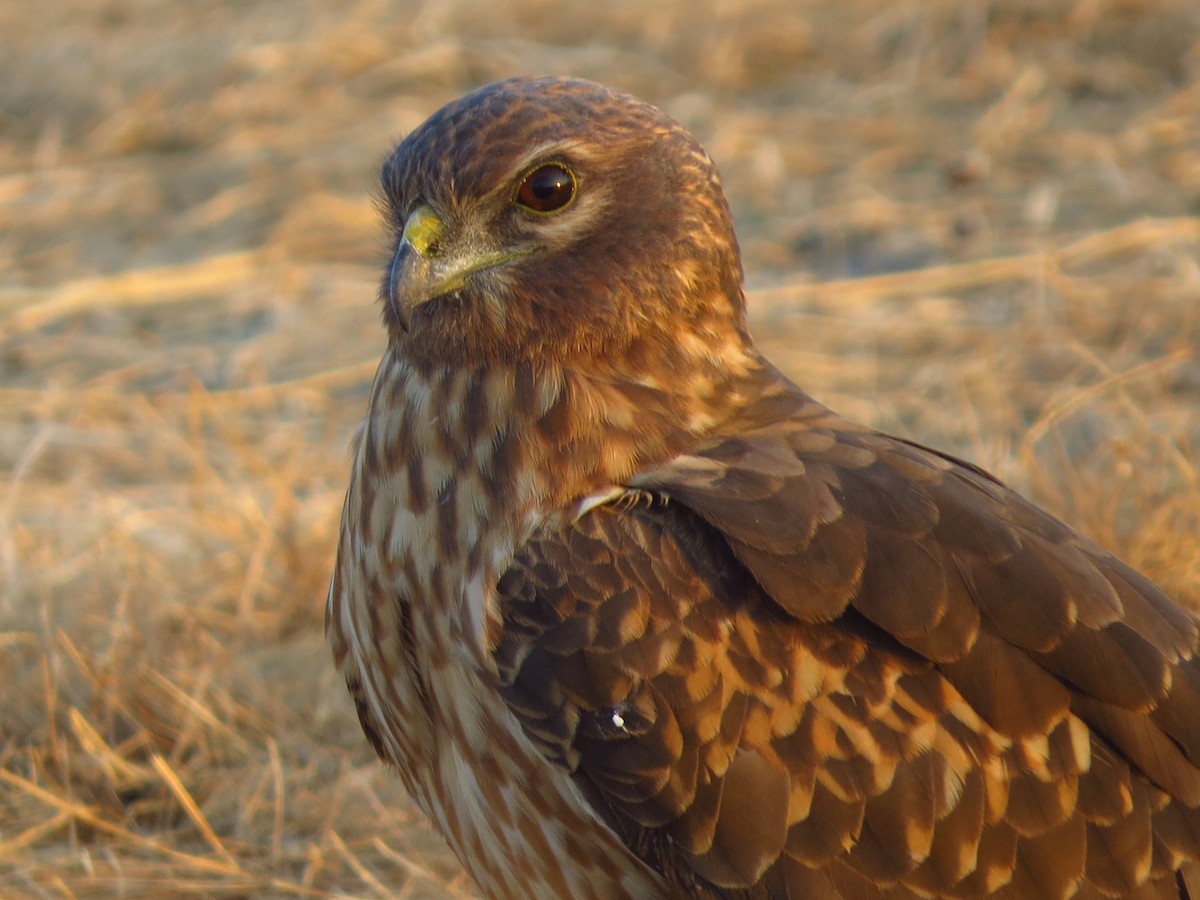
(424, 269)
(416, 275)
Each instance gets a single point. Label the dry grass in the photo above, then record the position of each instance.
(973, 223)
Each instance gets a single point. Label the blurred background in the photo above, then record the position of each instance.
(972, 223)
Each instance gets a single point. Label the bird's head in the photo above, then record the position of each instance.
(556, 220)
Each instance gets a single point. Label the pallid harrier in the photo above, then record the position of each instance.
(634, 616)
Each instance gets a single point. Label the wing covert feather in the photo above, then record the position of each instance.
(813, 660)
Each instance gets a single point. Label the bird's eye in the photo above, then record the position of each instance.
(547, 188)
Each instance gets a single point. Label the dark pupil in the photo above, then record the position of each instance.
(547, 189)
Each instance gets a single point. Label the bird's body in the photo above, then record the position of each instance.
(633, 616)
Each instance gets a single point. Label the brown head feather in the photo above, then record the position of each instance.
(646, 248)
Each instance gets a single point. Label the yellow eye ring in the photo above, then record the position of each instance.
(547, 189)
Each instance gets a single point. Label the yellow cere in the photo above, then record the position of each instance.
(423, 230)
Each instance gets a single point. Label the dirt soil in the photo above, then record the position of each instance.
(972, 223)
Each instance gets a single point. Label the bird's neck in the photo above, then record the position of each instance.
(545, 433)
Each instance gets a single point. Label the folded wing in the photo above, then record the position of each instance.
(811, 660)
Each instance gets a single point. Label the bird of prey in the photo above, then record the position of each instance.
(632, 615)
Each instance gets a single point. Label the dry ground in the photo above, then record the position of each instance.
(975, 223)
